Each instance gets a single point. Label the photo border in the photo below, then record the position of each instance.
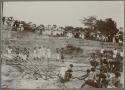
(1, 14)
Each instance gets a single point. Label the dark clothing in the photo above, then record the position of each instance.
(68, 75)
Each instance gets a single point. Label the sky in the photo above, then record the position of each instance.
(64, 13)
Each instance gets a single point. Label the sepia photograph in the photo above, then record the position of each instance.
(62, 44)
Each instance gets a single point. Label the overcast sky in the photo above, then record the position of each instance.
(64, 13)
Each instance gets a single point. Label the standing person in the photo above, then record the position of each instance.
(70, 35)
(44, 52)
(25, 54)
(122, 54)
(120, 42)
(97, 37)
(61, 54)
(21, 27)
(114, 39)
(115, 53)
(17, 24)
(3, 20)
(121, 60)
(82, 36)
(48, 53)
(35, 53)
(9, 52)
(39, 53)
(102, 51)
(10, 21)
(58, 57)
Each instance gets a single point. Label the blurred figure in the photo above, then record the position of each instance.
(66, 73)
(35, 53)
(44, 52)
(3, 20)
(115, 53)
(9, 50)
(48, 53)
(86, 75)
(115, 81)
(39, 53)
(58, 56)
(82, 36)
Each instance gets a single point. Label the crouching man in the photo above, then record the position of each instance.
(66, 73)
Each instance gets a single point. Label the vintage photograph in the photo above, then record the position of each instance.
(62, 44)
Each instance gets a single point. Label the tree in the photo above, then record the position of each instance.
(90, 22)
(69, 28)
(106, 27)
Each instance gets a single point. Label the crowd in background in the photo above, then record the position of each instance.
(67, 31)
(106, 68)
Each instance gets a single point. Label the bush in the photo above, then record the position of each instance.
(71, 50)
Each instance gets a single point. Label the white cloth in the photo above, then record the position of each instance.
(114, 56)
(48, 53)
(121, 54)
(92, 75)
(39, 53)
(115, 52)
(62, 71)
(35, 53)
(120, 41)
(70, 35)
(9, 51)
(113, 39)
(102, 51)
(44, 52)
(21, 28)
(82, 36)
(58, 56)
(9, 55)
(24, 57)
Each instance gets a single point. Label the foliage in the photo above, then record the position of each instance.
(69, 49)
(107, 26)
(90, 22)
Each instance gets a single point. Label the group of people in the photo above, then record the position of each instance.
(37, 53)
(41, 53)
(16, 55)
(105, 72)
(53, 30)
(15, 24)
(106, 69)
